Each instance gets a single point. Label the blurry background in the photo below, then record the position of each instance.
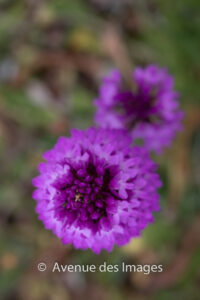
(52, 57)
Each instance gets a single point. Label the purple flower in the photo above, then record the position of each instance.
(150, 114)
(95, 191)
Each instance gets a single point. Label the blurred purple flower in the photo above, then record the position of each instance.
(150, 114)
(96, 191)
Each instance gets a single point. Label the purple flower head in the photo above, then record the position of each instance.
(150, 114)
(95, 191)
